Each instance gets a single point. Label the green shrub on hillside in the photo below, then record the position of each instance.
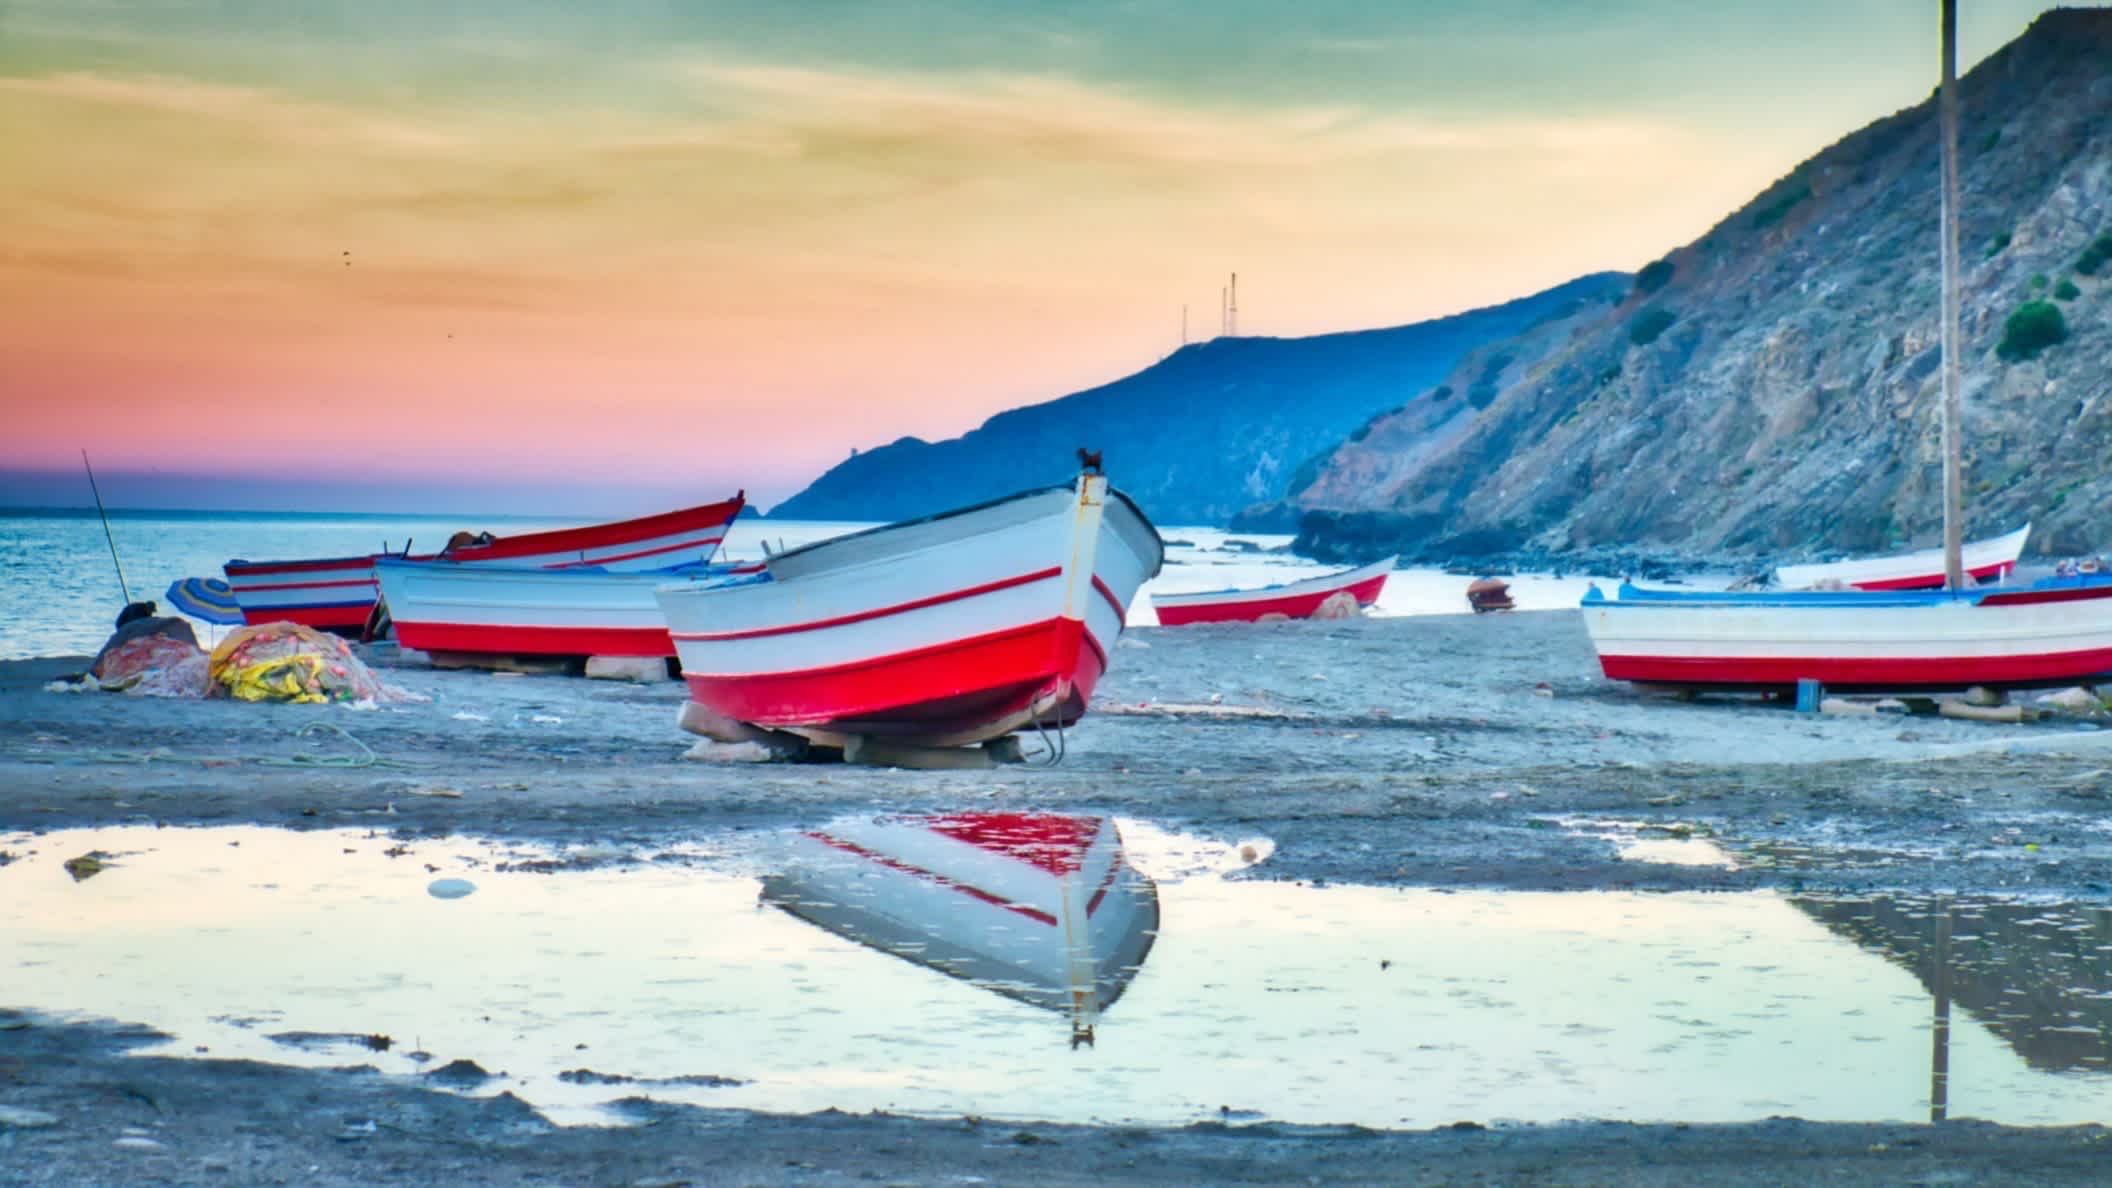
(1644, 327)
(1654, 276)
(1441, 393)
(1483, 391)
(2094, 256)
(2035, 326)
(2066, 290)
(1772, 212)
(2000, 241)
(2038, 281)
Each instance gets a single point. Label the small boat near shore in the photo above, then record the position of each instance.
(1489, 594)
(510, 610)
(940, 632)
(1984, 560)
(1041, 907)
(338, 593)
(2055, 632)
(1291, 600)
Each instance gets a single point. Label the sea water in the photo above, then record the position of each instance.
(60, 589)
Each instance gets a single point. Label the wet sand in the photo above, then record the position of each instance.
(1436, 751)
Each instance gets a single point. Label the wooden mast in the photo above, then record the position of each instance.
(1953, 463)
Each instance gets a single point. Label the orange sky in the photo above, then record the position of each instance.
(676, 259)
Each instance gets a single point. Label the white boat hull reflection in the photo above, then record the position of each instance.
(1042, 907)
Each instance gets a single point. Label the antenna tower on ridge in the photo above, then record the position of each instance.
(1232, 308)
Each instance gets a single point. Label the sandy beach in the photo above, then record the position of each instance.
(1435, 751)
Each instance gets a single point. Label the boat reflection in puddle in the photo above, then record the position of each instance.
(1042, 907)
(579, 979)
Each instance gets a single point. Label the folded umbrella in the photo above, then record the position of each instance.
(208, 599)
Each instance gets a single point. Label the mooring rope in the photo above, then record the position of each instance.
(1054, 750)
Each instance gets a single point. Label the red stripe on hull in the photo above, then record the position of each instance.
(709, 545)
(327, 618)
(1941, 672)
(947, 689)
(1931, 582)
(1294, 606)
(345, 583)
(602, 536)
(235, 569)
(2049, 594)
(1107, 593)
(879, 612)
(535, 641)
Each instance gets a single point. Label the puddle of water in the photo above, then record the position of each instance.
(1385, 1007)
(1643, 841)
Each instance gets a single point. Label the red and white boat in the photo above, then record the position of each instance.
(1292, 600)
(1041, 907)
(337, 593)
(942, 631)
(507, 610)
(1984, 560)
(2056, 632)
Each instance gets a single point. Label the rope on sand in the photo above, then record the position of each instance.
(365, 758)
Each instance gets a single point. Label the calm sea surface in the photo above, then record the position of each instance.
(59, 592)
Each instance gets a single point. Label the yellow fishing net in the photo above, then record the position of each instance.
(290, 662)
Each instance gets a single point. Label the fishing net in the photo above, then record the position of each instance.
(290, 662)
(154, 666)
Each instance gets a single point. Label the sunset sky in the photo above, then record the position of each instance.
(582, 258)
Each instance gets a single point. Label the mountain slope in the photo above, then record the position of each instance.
(1771, 389)
(1194, 438)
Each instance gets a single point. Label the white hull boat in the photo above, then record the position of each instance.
(1291, 600)
(944, 631)
(2057, 632)
(1984, 560)
(443, 606)
(338, 593)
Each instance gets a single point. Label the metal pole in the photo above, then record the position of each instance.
(1953, 380)
(112, 540)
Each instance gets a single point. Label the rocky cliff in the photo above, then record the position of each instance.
(1208, 430)
(1770, 391)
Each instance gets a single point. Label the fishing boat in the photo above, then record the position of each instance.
(338, 593)
(512, 610)
(1984, 560)
(942, 631)
(1291, 600)
(2054, 632)
(1490, 594)
(1041, 907)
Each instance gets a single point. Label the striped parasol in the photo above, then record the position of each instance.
(208, 599)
